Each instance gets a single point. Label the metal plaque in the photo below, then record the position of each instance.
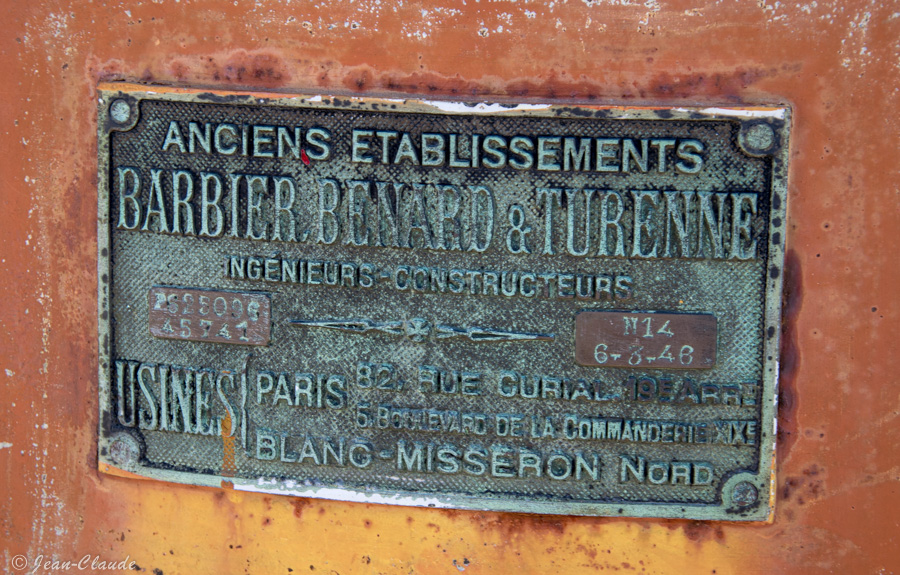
(534, 308)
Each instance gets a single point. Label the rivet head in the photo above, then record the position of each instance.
(759, 137)
(124, 450)
(744, 494)
(120, 111)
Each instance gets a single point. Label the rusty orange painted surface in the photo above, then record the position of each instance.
(838, 465)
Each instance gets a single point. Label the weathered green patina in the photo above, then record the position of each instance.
(376, 300)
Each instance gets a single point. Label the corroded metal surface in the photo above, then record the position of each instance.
(838, 438)
(436, 273)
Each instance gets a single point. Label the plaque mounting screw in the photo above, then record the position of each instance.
(744, 494)
(120, 111)
(124, 450)
(758, 138)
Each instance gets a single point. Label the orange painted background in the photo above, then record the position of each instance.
(836, 63)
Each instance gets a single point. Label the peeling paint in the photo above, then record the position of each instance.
(776, 113)
(276, 486)
(482, 108)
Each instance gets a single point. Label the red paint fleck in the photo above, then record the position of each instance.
(304, 157)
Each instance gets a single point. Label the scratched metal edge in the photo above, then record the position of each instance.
(275, 486)
(774, 291)
(419, 105)
(763, 480)
(104, 272)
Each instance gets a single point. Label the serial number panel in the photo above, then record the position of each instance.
(526, 308)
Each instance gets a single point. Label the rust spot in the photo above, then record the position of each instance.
(699, 531)
(553, 87)
(813, 470)
(730, 85)
(228, 464)
(804, 488)
(255, 69)
(358, 81)
(513, 525)
(180, 70)
(299, 505)
(364, 78)
(239, 68)
(789, 486)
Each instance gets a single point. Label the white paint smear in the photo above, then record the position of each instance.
(461, 108)
(779, 113)
(277, 487)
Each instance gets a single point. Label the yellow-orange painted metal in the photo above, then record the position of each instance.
(838, 461)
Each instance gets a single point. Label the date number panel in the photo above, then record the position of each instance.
(645, 340)
(214, 316)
